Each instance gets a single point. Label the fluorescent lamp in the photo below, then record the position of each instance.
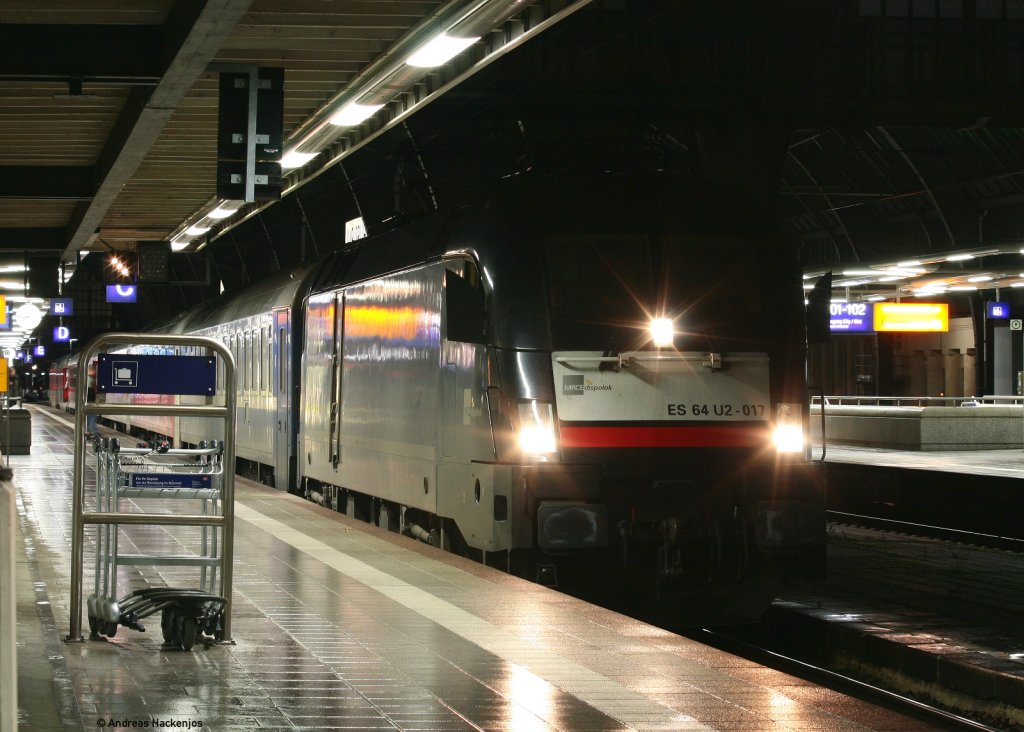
(197, 230)
(980, 278)
(12, 285)
(963, 288)
(1017, 284)
(438, 50)
(352, 114)
(959, 257)
(178, 244)
(295, 159)
(221, 213)
(909, 263)
(875, 298)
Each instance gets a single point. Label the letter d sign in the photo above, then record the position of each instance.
(61, 334)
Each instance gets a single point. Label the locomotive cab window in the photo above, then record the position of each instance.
(464, 306)
(604, 290)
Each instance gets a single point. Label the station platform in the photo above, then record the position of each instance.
(1007, 463)
(340, 625)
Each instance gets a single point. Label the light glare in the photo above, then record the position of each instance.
(352, 114)
(438, 50)
(662, 332)
(295, 159)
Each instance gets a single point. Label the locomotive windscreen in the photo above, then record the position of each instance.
(603, 290)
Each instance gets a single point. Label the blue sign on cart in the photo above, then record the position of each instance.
(169, 480)
(138, 374)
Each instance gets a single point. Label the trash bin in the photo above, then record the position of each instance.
(20, 432)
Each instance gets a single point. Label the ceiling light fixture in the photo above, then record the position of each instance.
(353, 114)
(220, 213)
(295, 159)
(439, 50)
(394, 85)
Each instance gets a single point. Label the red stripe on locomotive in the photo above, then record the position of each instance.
(675, 436)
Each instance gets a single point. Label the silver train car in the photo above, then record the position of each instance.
(572, 378)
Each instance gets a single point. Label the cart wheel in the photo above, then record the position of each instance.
(110, 629)
(187, 632)
(93, 625)
(168, 624)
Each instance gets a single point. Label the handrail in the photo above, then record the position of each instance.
(915, 401)
(81, 518)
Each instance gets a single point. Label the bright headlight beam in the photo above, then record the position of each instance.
(789, 438)
(662, 332)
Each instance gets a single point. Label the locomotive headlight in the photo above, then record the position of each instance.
(789, 430)
(662, 332)
(536, 429)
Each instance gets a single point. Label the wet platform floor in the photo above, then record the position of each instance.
(338, 625)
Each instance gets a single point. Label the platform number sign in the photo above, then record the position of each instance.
(1015, 324)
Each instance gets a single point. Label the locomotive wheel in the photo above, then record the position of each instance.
(187, 632)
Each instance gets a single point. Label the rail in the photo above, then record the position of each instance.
(80, 518)
(915, 401)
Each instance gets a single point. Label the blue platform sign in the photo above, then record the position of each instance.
(170, 480)
(997, 310)
(121, 293)
(851, 317)
(141, 374)
(62, 306)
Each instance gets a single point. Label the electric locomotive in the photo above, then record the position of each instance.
(574, 374)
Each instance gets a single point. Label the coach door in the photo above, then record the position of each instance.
(281, 373)
(336, 379)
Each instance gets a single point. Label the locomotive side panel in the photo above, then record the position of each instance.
(390, 382)
(371, 376)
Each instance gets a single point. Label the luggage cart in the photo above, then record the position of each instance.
(161, 473)
(206, 474)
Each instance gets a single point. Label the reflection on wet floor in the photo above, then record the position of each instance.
(338, 625)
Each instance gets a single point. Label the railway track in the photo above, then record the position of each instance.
(941, 718)
(972, 538)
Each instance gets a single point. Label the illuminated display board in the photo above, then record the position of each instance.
(997, 310)
(121, 293)
(850, 317)
(917, 317)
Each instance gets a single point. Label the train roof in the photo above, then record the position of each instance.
(277, 291)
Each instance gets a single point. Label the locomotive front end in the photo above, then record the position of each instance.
(664, 429)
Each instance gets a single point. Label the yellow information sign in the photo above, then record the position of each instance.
(3, 376)
(911, 317)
